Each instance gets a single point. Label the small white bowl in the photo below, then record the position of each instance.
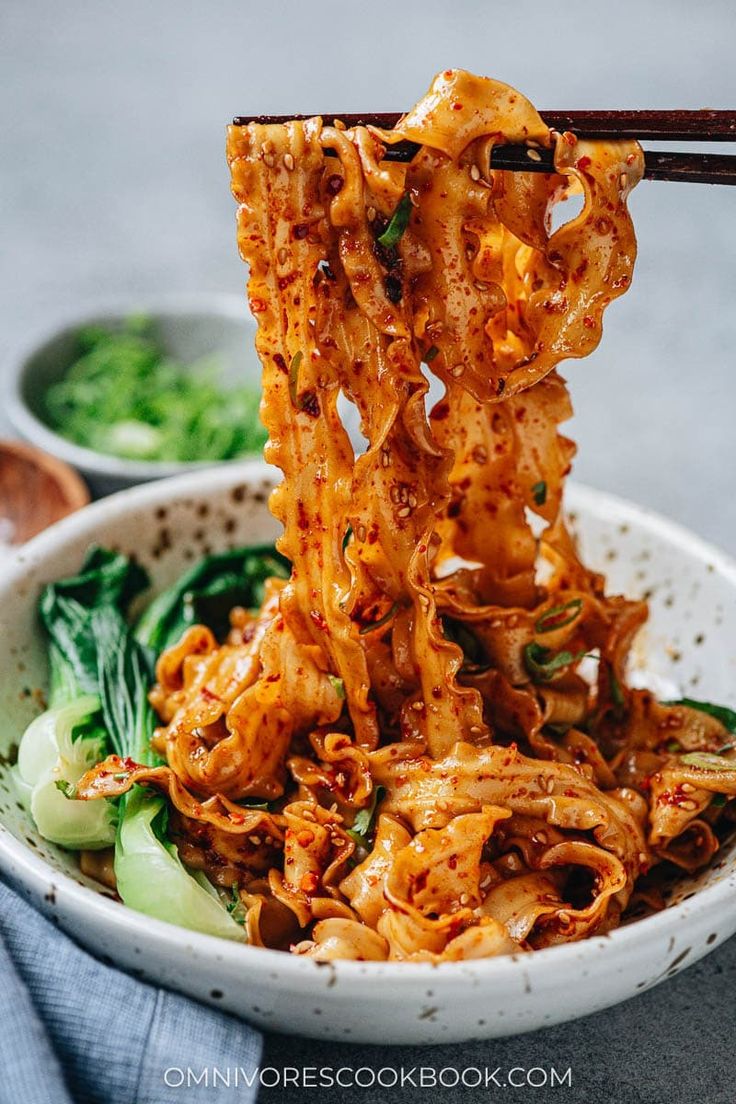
(689, 645)
(188, 327)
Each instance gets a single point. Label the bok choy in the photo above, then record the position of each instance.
(100, 674)
(150, 875)
(60, 745)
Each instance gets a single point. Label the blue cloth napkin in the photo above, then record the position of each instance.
(75, 1030)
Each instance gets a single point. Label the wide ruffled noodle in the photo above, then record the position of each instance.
(435, 704)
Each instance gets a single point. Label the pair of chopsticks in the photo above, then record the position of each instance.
(675, 126)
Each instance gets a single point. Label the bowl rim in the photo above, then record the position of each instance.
(21, 863)
(34, 429)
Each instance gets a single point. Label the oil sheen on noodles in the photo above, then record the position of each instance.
(434, 705)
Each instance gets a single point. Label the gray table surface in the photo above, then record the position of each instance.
(113, 180)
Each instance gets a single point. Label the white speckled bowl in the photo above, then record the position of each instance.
(690, 642)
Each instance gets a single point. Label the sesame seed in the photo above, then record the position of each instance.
(419, 706)
(413, 200)
(474, 172)
(623, 180)
(533, 155)
(564, 917)
(475, 730)
(550, 785)
(412, 501)
(269, 159)
(361, 532)
(394, 494)
(532, 143)
(255, 840)
(385, 457)
(457, 370)
(288, 162)
(282, 255)
(689, 806)
(464, 898)
(687, 788)
(371, 214)
(404, 512)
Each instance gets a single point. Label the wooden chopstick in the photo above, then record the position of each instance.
(681, 126)
(672, 125)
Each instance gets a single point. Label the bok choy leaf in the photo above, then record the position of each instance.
(208, 591)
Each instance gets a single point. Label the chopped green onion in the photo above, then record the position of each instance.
(719, 800)
(337, 685)
(381, 621)
(393, 233)
(551, 620)
(539, 493)
(235, 906)
(67, 788)
(430, 354)
(617, 696)
(294, 378)
(124, 395)
(544, 665)
(705, 760)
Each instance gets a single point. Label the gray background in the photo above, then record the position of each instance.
(113, 180)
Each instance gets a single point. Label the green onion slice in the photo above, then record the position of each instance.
(394, 232)
(294, 378)
(707, 761)
(381, 621)
(558, 617)
(544, 665)
(539, 493)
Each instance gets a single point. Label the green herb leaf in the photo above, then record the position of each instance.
(558, 617)
(430, 354)
(394, 232)
(539, 493)
(544, 665)
(722, 713)
(719, 800)
(362, 827)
